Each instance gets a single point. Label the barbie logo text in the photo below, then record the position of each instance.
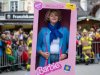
(48, 69)
(38, 5)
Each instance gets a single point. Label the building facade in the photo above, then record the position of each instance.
(17, 5)
(95, 12)
(16, 13)
(84, 7)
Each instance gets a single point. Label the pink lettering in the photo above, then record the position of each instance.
(57, 6)
(48, 69)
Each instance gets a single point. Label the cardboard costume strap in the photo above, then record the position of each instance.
(46, 63)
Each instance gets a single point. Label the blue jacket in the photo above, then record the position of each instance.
(43, 43)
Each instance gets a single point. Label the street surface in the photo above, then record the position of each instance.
(92, 69)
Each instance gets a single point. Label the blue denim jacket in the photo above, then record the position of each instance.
(43, 43)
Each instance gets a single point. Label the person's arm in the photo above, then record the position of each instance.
(63, 56)
(65, 45)
(40, 41)
(39, 44)
(44, 54)
(90, 41)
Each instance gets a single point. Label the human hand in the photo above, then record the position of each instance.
(63, 56)
(46, 55)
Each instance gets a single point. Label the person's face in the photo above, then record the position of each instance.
(77, 33)
(53, 18)
(79, 27)
(22, 43)
(85, 33)
(4, 36)
(20, 30)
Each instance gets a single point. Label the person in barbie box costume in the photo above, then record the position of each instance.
(52, 42)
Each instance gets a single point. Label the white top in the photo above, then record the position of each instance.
(91, 34)
(54, 47)
(21, 36)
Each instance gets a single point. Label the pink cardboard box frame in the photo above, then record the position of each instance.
(70, 62)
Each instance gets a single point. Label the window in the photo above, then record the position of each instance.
(14, 6)
(0, 7)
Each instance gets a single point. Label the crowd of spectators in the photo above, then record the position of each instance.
(88, 43)
(16, 46)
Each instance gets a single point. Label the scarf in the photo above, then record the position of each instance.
(54, 31)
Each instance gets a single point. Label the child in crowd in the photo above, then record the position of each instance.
(23, 52)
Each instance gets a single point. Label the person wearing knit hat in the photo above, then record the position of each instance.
(86, 42)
